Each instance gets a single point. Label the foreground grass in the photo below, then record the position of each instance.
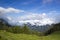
(10, 36)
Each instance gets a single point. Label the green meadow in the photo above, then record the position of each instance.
(11, 36)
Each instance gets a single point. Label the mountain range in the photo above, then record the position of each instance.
(37, 26)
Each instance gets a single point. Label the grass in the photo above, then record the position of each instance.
(10, 36)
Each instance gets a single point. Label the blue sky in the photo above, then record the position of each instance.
(38, 10)
(32, 5)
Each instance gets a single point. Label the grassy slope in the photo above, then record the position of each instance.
(10, 36)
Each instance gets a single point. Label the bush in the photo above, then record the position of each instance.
(25, 29)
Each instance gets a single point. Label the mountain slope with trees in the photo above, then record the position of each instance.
(26, 30)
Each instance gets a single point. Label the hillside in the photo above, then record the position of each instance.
(10, 36)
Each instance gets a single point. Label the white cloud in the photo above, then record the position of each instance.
(44, 14)
(9, 10)
(32, 16)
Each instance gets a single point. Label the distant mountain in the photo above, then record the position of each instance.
(4, 22)
(40, 28)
